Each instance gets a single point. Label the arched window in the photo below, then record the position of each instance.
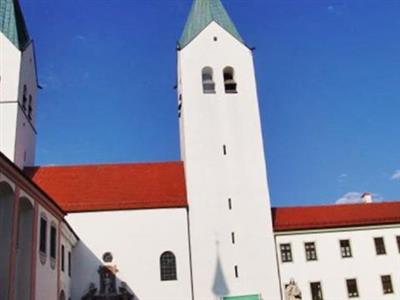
(30, 109)
(168, 266)
(208, 81)
(229, 81)
(62, 295)
(24, 97)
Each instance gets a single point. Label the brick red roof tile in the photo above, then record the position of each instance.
(113, 186)
(162, 185)
(334, 216)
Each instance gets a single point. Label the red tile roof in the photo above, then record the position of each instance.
(162, 185)
(331, 216)
(113, 186)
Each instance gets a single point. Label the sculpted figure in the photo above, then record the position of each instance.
(292, 291)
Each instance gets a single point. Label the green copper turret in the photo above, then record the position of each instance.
(12, 23)
(203, 12)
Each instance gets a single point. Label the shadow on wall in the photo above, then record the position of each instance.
(220, 287)
(93, 279)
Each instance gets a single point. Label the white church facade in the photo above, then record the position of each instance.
(201, 228)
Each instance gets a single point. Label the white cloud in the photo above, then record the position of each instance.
(336, 9)
(331, 8)
(396, 175)
(355, 197)
(342, 177)
(80, 37)
(351, 197)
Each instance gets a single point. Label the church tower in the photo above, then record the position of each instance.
(231, 235)
(18, 86)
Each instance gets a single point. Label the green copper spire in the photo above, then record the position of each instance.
(203, 13)
(12, 23)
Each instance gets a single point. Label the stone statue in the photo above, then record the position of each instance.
(108, 284)
(292, 291)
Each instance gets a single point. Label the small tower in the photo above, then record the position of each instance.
(18, 86)
(231, 235)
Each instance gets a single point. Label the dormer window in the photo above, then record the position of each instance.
(24, 97)
(229, 81)
(208, 81)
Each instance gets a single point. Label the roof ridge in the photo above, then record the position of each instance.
(306, 206)
(88, 165)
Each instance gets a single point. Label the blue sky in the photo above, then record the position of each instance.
(328, 78)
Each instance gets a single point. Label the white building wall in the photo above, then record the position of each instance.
(10, 61)
(17, 133)
(46, 276)
(8, 127)
(26, 134)
(208, 122)
(332, 270)
(136, 240)
(68, 240)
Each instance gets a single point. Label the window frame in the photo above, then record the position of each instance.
(43, 224)
(69, 264)
(53, 241)
(355, 293)
(313, 251)
(24, 97)
(168, 266)
(387, 285)
(380, 248)
(62, 258)
(398, 242)
(30, 108)
(313, 296)
(286, 254)
(345, 251)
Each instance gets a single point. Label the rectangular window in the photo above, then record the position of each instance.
(236, 272)
(43, 235)
(379, 246)
(230, 203)
(345, 248)
(62, 258)
(387, 284)
(286, 253)
(69, 264)
(352, 290)
(311, 251)
(53, 242)
(398, 242)
(316, 291)
(224, 149)
(233, 237)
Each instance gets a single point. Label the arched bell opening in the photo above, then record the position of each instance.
(208, 81)
(229, 81)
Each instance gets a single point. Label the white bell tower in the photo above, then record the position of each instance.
(231, 235)
(18, 86)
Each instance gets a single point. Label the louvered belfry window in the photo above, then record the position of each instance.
(208, 80)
